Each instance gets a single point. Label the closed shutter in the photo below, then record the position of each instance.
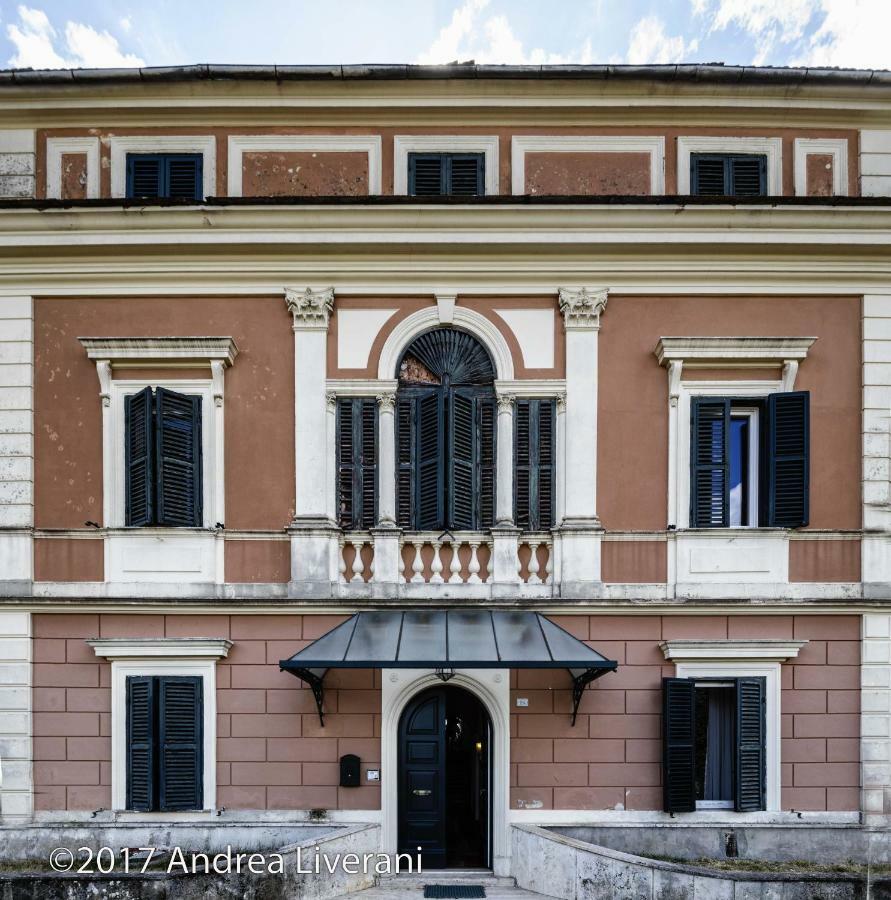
(404, 462)
(139, 459)
(748, 176)
(428, 424)
(678, 744)
(184, 177)
(462, 456)
(708, 175)
(709, 462)
(357, 462)
(466, 175)
(788, 459)
(437, 174)
(178, 453)
(180, 718)
(144, 176)
(140, 743)
(426, 174)
(534, 427)
(487, 422)
(750, 745)
(728, 175)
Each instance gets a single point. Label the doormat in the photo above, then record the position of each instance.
(454, 891)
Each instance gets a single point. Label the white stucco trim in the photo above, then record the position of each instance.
(16, 777)
(875, 720)
(206, 145)
(403, 144)
(160, 351)
(120, 669)
(732, 352)
(239, 144)
(466, 319)
(160, 648)
(837, 148)
(492, 687)
(770, 671)
(55, 148)
(357, 330)
(764, 649)
(524, 143)
(770, 147)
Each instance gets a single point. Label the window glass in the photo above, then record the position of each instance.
(739, 470)
(714, 744)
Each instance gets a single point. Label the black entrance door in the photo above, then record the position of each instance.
(444, 797)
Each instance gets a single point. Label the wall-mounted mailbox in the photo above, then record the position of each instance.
(349, 770)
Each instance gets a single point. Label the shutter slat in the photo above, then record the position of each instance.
(678, 744)
(404, 462)
(747, 176)
(178, 451)
(140, 743)
(708, 175)
(428, 511)
(522, 465)
(180, 743)
(547, 427)
(184, 177)
(710, 462)
(788, 459)
(368, 461)
(750, 745)
(462, 456)
(466, 175)
(144, 176)
(345, 494)
(139, 459)
(426, 175)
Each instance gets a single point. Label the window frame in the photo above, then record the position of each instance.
(120, 146)
(164, 160)
(753, 414)
(772, 147)
(727, 160)
(488, 145)
(446, 159)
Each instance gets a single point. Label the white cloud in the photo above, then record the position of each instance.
(648, 43)
(126, 24)
(854, 33)
(490, 39)
(37, 44)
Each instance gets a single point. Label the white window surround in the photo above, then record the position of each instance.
(837, 148)
(55, 148)
(523, 144)
(206, 145)
(492, 688)
(749, 649)
(161, 656)
(772, 148)
(403, 144)
(239, 144)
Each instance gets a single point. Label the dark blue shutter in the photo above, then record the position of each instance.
(708, 175)
(346, 457)
(178, 454)
(426, 174)
(466, 174)
(534, 475)
(163, 175)
(428, 424)
(180, 743)
(404, 461)
(139, 454)
(184, 177)
(710, 462)
(357, 462)
(788, 459)
(145, 176)
(140, 743)
(462, 447)
(678, 744)
(437, 174)
(748, 176)
(728, 174)
(750, 745)
(487, 417)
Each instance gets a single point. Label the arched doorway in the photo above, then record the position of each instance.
(445, 746)
(445, 434)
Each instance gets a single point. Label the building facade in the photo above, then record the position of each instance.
(476, 374)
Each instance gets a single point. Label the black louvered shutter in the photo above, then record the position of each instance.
(463, 442)
(710, 462)
(145, 176)
(750, 745)
(428, 426)
(180, 718)
(748, 176)
(487, 417)
(178, 454)
(357, 462)
(139, 451)
(534, 427)
(788, 459)
(184, 177)
(140, 743)
(466, 175)
(404, 461)
(426, 174)
(708, 175)
(678, 744)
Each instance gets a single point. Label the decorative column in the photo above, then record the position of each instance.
(314, 544)
(580, 529)
(387, 560)
(504, 464)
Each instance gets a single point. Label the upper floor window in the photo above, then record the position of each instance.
(728, 174)
(749, 461)
(162, 464)
(357, 462)
(164, 176)
(458, 174)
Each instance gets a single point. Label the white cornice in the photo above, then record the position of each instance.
(360, 387)
(160, 648)
(161, 350)
(764, 649)
(730, 351)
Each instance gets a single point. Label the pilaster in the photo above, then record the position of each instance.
(504, 492)
(875, 720)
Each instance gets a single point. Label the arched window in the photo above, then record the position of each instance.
(445, 434)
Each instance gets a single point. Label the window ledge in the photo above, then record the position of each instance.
(732, 351)
(160, 648)
(164, 350)
(769, 649)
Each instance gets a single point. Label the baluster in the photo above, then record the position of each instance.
(473, 567)
(491, 564)
(533, 563)
(436, 565)
(455, 564)
(417, 564)
(358, 565)
(549, 564)
(341, 562)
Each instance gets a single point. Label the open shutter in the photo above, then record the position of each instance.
(678, 744)
(178, 452)
(788, 459)
(750, 745)
(404, 461)
(466, 175)
(183, 177)
(357, 462)
(140, 743)
(487, 416)
(547, 452)
(748, 176)
(462, 456)
(428, 511)
(709, 462)
(368, 460)
(426, 174)
(180, 717)
(144, 176)
(523, 465)
(534, 426)
(139, 459)
(346, 502)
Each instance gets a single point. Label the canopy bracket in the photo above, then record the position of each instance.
(579, 683)
(315, 684)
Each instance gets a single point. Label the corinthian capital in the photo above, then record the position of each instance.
(581, 307)
(310, 308)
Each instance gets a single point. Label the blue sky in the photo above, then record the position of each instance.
(59, 33)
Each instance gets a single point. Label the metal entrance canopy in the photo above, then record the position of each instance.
(448, 639)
